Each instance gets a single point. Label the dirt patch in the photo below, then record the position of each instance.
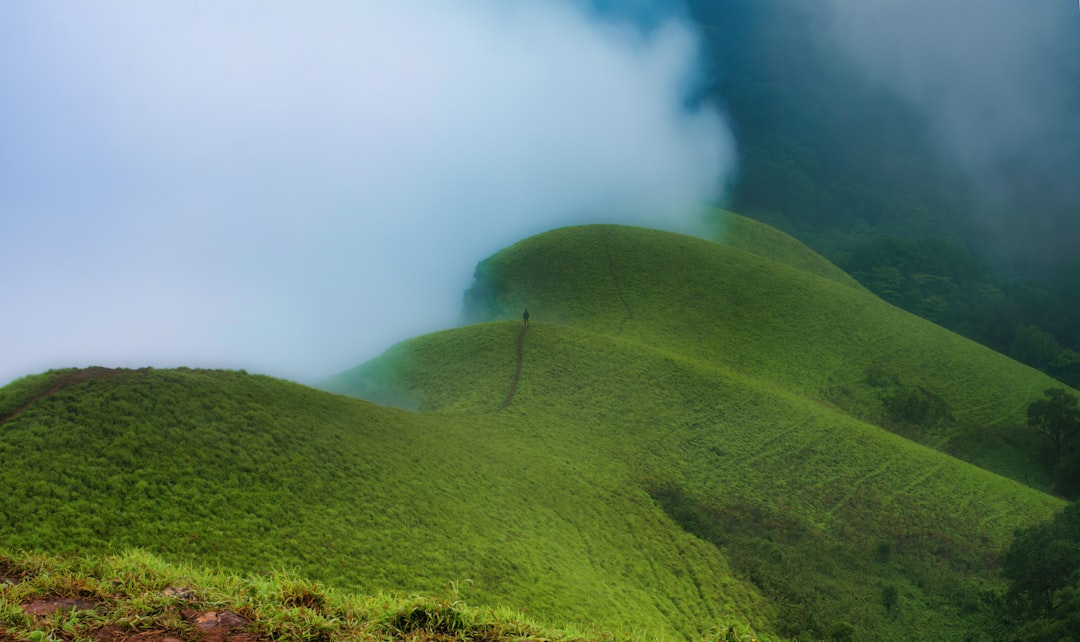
(10, 572)
(210, 626)
(51, 605)
(214, 620)
(117, 633)
(179, 592)
(111, 633)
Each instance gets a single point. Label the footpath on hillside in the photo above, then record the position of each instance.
(517, 372)
(63, 381)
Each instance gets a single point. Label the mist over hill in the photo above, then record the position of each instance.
(290, 189)
(246, 186)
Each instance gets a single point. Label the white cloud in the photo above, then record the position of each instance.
(252, 184)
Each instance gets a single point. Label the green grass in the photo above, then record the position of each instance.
(800, 496)
(134, 592)
(818, 336)
(702, 437)
(254, 473)
(768, 242)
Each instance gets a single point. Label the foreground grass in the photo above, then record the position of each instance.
(135, 595)
(251, 473)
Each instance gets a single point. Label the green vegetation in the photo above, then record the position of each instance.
(770, 243)
(253, 473)
(44, 597)
(703, 440)
(828, 156)
(1057, 418)
(747, 386)
(1043, 569)
(819, 337)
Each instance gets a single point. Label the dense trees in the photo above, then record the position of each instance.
(1043, 570)
(1057, 417)
(855, 172)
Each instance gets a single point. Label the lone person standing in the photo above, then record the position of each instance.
(526, 316)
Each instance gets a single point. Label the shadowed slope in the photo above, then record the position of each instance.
(752, 236)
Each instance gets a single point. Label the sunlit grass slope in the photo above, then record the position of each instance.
(755, 237)
(761, 403)
(822, 512)
(254, 474)
(791, 321)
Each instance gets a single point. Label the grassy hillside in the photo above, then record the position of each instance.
(763, 240)
(689, 436)
(804, 329)
(823, 513)
(254, 473)
(773, 408)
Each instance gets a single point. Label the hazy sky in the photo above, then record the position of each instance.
(998, 82)
(290, 188)
(997, 77)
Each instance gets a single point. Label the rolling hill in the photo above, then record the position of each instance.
(795, 322)
(690, 434)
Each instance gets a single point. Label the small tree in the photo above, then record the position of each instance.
(1043, 567)
(1057, 417)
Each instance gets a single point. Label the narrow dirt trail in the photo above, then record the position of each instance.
(517, 372)
(62, 382)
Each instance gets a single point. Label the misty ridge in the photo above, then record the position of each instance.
(251, 185)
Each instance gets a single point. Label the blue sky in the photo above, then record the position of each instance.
(292, 188)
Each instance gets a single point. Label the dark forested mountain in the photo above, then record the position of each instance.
(838, 158)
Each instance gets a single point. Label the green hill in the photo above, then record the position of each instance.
(768, 242)
(255, 474)
(689, 435)
(823, 338)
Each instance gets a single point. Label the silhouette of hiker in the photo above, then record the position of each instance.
(526, 316)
